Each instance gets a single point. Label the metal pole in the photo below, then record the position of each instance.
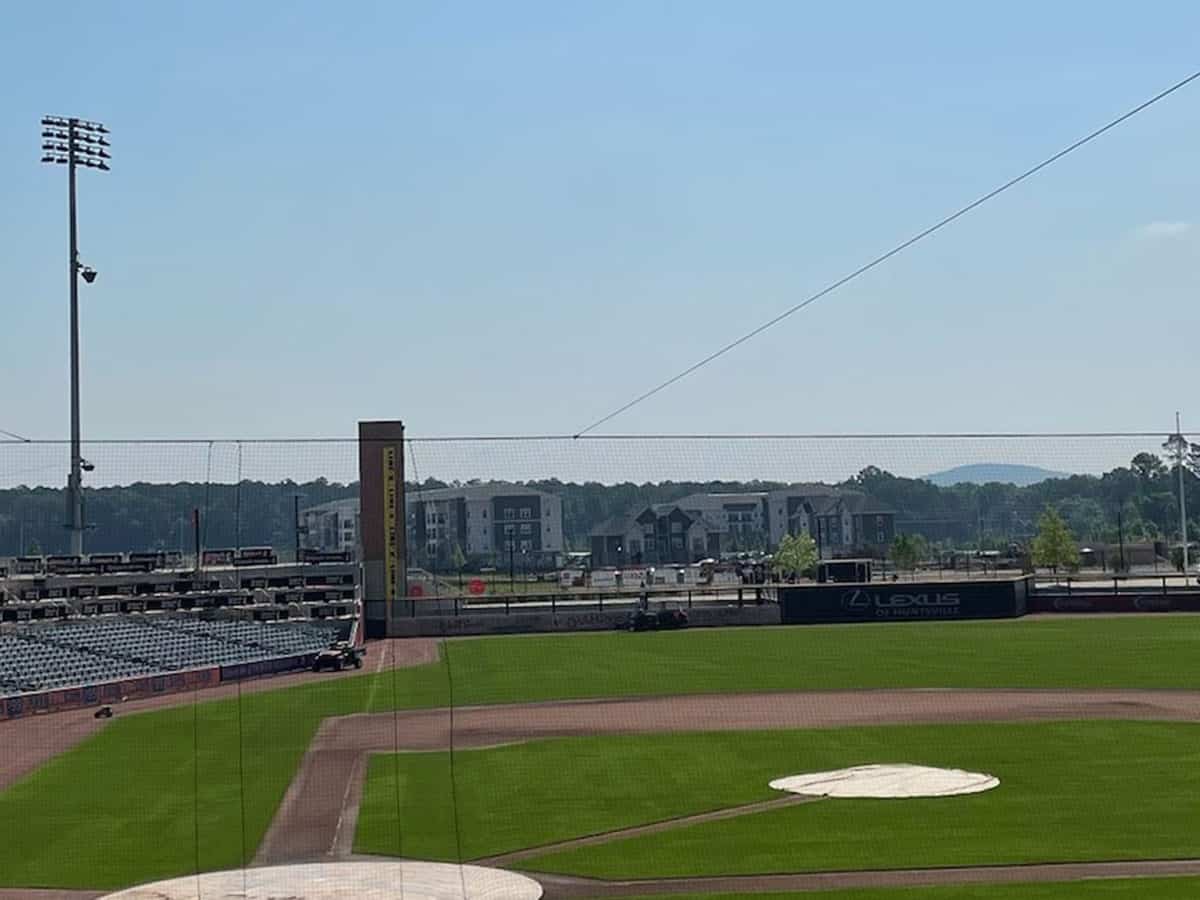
(296, 525)
(1181, 451)
(74, 484)
(1121, 538)
(196, 532)
(74, 143)
(237, 504)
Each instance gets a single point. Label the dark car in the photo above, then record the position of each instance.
(338, 656)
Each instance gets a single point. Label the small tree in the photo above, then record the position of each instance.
(1177, 558)
(797, 555)
(1147, 466)
(457, 559)
(1054, 544)
(907, 551)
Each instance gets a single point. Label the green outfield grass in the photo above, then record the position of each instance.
(121, 807)
(1142, 652)
(131, 786)
(1123, 888)
(1069, 791)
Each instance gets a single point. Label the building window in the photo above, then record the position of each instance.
(485, 513)
(526, 512)
(526, 528)
(509, 545)
(526, 546)
(510, 530)
(510, 513)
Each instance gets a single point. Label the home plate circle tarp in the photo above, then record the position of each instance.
(887, 782)
(345, 881)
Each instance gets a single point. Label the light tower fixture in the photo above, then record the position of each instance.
(72, 143)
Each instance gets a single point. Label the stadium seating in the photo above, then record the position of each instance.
(105, 649)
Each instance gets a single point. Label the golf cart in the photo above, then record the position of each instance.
(338, 656)
(663, 620)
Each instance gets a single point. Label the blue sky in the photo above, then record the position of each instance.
(510, 218)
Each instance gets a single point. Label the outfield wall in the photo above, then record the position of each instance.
(1094, 601)
(590, 620)
(62, 699)
(113, 692)
(905, 601)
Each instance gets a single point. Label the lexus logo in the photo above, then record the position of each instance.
(860, 600)
(857, 600)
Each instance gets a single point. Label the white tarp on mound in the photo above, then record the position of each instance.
(887, 781)
(346, 881)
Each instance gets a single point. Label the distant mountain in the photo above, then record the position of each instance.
(983, 473)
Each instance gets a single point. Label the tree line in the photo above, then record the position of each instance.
(1138, 502)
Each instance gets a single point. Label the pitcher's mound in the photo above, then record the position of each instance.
(346, 881)
(887, 781)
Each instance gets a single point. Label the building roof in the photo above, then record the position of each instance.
(853, 502)
(614, 525)
(345, 504)
(795, 490)
(474, 491)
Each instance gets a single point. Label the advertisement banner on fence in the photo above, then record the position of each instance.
(110, 692)
(266, 667)
(900, 601)
(1116, 603)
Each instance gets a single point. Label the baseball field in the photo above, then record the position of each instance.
(628, 765)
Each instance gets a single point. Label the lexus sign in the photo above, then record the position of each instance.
(983, 599)
(911, 605)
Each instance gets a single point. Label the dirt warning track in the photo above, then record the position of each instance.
(564, 888)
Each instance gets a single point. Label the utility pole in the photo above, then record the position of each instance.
(1121, 538)
(196, 536)
(237, 504)
(73, 143)
(296, 525)
(1177, 445)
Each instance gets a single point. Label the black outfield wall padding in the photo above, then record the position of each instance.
(905, 600)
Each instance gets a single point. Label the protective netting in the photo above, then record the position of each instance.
(215, 574)
(142, 495)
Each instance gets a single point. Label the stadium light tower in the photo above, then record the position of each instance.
(73, 143)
